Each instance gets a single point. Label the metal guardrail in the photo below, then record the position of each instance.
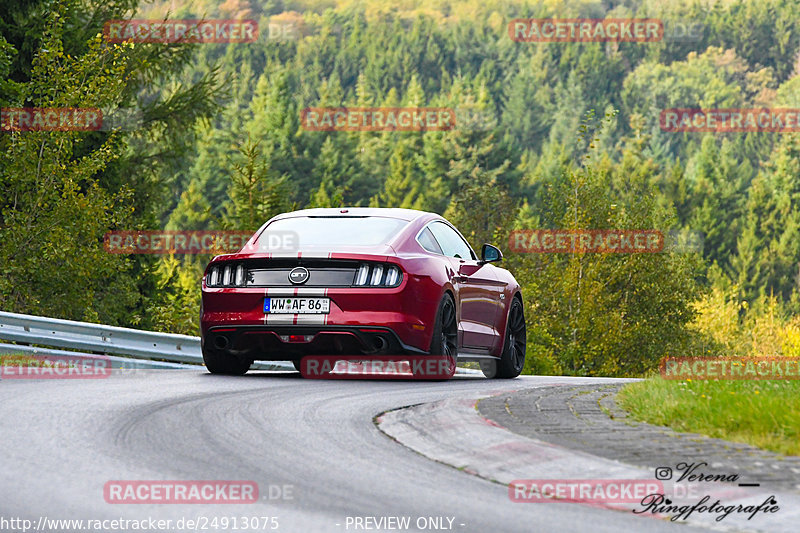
(125, 363)
(163, 349)
(99, 338)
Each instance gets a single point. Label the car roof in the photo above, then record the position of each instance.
(389, 212)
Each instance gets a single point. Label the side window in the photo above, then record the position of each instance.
(427, 241)
(451, 242)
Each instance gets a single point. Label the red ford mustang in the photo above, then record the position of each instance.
(353, 281)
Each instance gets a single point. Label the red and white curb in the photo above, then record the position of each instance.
(453, 432)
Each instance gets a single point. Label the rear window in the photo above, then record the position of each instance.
(427, 241)
(336, 231)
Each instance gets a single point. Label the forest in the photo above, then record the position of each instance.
(548, 135)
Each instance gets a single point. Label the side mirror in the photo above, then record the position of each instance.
(490, 254)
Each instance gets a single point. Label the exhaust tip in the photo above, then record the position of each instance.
(221, 342)
(379, 343)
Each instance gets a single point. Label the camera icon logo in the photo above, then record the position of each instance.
(663, 473)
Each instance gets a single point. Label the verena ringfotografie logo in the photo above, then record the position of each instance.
(698, 368)
(585, 30)
(174, 242)
(658, 504)
(51, 119)
(377, 367)
(377, 119)
(180, 492)
(181, 31)
(730, 120)
(582, 490)
(555, 241)
(55, 367)
(687, 497)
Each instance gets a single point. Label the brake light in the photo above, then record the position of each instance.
(362, 275)
(240, 276)
(377, 275)
(227, 275)
(392, 276)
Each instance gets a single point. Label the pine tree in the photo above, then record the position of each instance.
(256, 191)
(193, 211)
(334, 173)
(403, 187)
(718, 182)
(275, 127)
(768, 252)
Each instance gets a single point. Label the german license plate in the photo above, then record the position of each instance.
(297, 306)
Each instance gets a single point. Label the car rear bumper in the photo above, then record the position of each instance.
(265, 342)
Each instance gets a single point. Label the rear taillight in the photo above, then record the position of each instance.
(392, 277)
(240, 277)
(212, 279)
(227, 275)
(377, 275)
(362, 275)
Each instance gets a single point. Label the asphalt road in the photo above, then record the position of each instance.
(310, 445)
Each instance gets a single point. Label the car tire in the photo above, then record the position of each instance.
(225, 363)
(445, 334)
(512, 360)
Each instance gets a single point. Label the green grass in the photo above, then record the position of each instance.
(764, 413)
(19, 360)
